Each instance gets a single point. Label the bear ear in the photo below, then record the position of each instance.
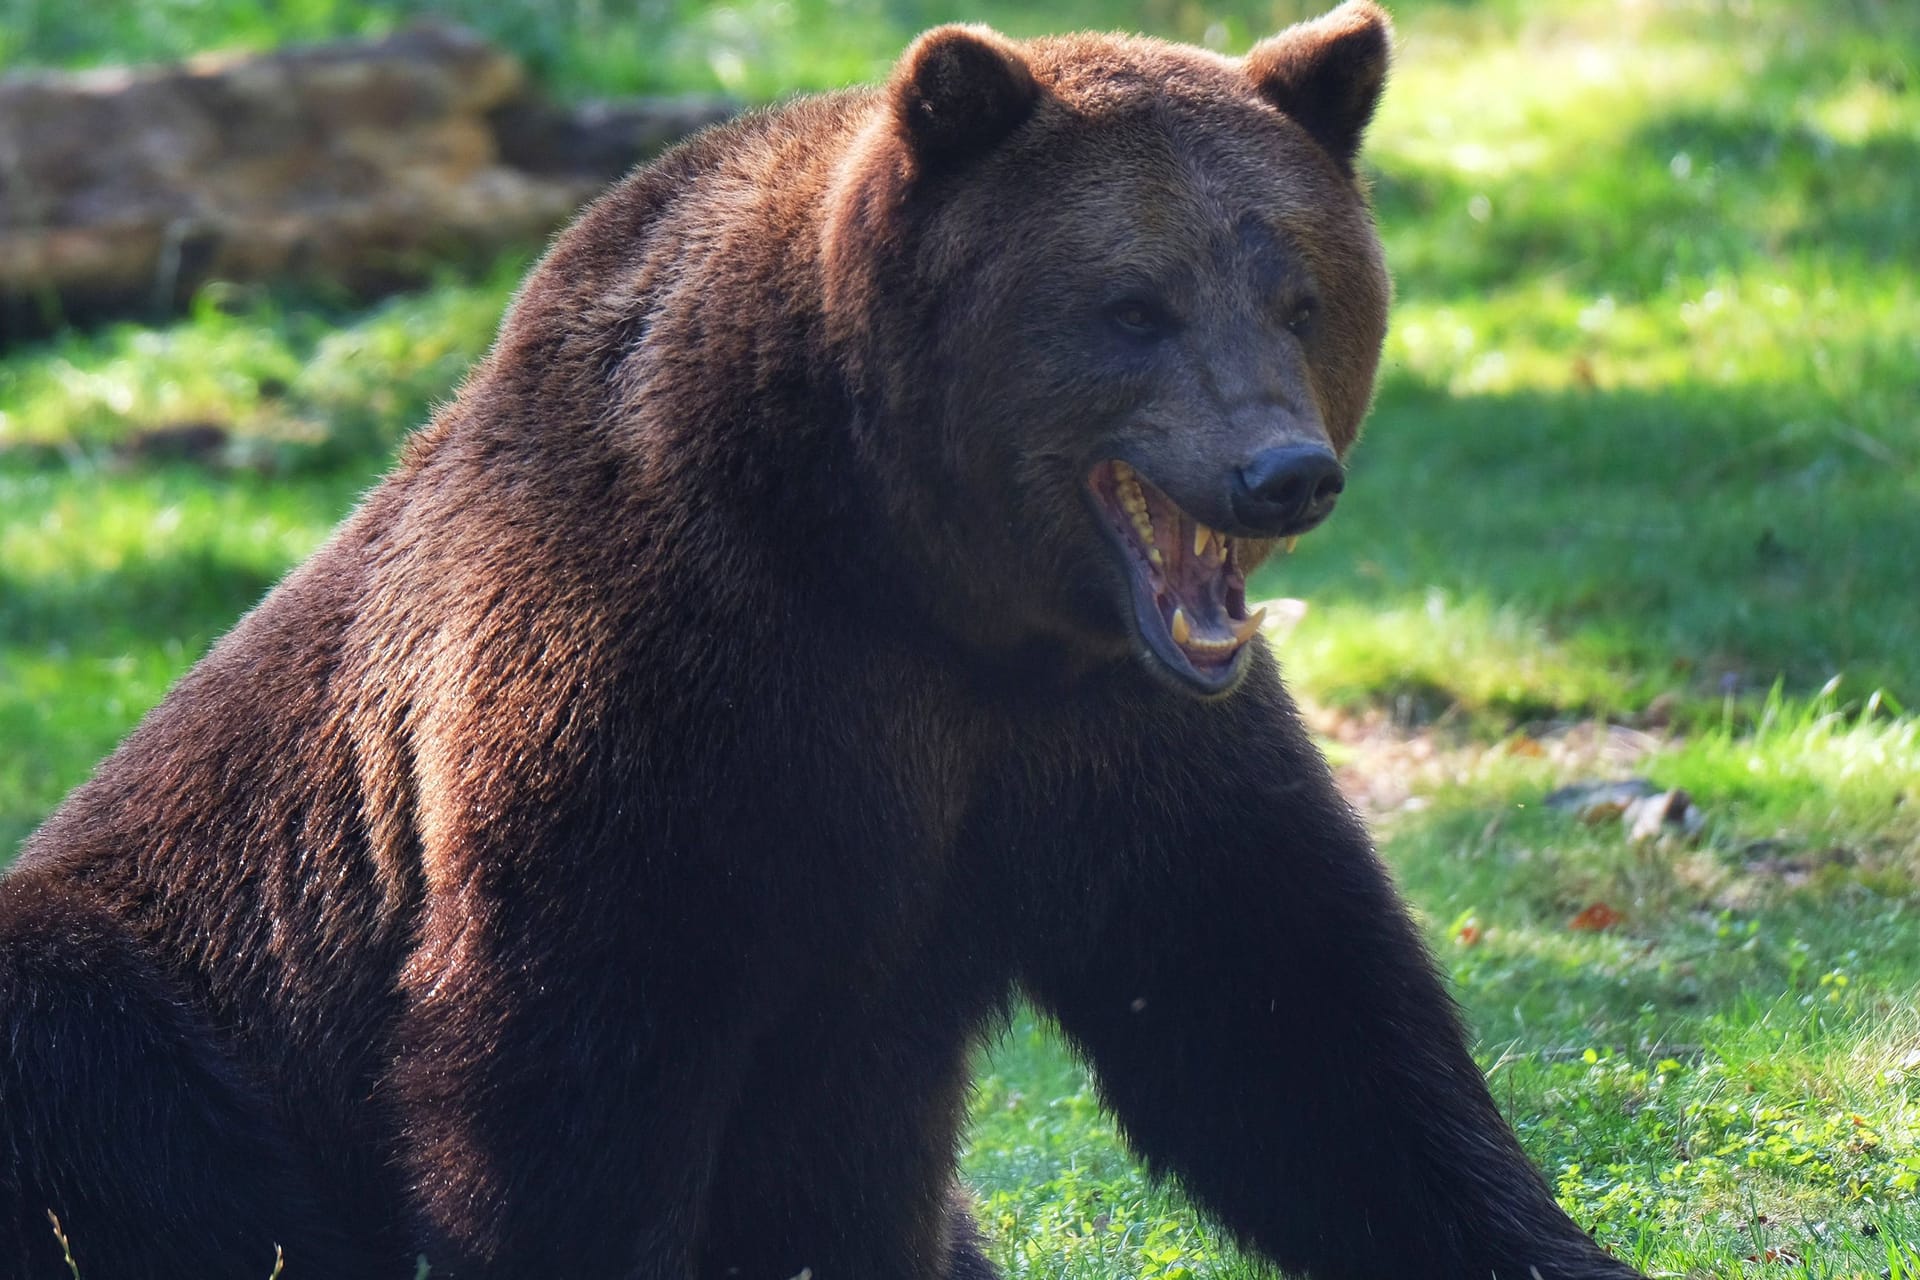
(958, 90)
(1327, 74)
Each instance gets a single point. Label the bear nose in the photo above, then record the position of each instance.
(1288, 489)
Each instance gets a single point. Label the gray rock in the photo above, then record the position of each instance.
(1645, 810)
(359, 163)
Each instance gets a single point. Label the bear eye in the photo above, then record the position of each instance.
(1300, 319)
(1139, 318)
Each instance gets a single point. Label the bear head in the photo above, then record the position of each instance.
(1112, 309)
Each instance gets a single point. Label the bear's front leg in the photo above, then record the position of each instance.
(1264, 1019)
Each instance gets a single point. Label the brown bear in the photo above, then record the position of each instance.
(820, 619)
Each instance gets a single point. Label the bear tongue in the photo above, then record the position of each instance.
(1201, 600)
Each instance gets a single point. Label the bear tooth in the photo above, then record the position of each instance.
(1246, 629)
(1200, 539)
(1182, 631)
(1292, 542)
(1153, 554)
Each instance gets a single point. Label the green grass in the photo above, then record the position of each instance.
(758, 49)
(1646, 451)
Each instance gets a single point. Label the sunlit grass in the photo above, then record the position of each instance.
(341, 377)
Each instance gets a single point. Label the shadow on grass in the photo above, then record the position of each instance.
(1697, 535)
(196, 593)
(86, 654)
(1862, 196)
(1689, 193)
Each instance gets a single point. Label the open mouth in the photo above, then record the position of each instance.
(1189, 591)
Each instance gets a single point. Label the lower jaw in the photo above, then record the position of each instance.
(1169, 661)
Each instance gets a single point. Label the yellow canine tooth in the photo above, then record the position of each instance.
(1182, 630)
(1292, 542)
(1201, 538)
(1246, 629)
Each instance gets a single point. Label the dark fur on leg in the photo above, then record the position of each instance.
(119, 1114)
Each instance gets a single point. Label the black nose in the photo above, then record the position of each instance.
(1288, 489)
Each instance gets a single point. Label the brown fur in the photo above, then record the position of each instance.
(599, 858)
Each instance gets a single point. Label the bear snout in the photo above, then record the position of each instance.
(1288, 489)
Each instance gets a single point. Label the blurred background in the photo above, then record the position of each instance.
(1639, 505)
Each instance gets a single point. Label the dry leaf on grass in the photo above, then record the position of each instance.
(1596, 918)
